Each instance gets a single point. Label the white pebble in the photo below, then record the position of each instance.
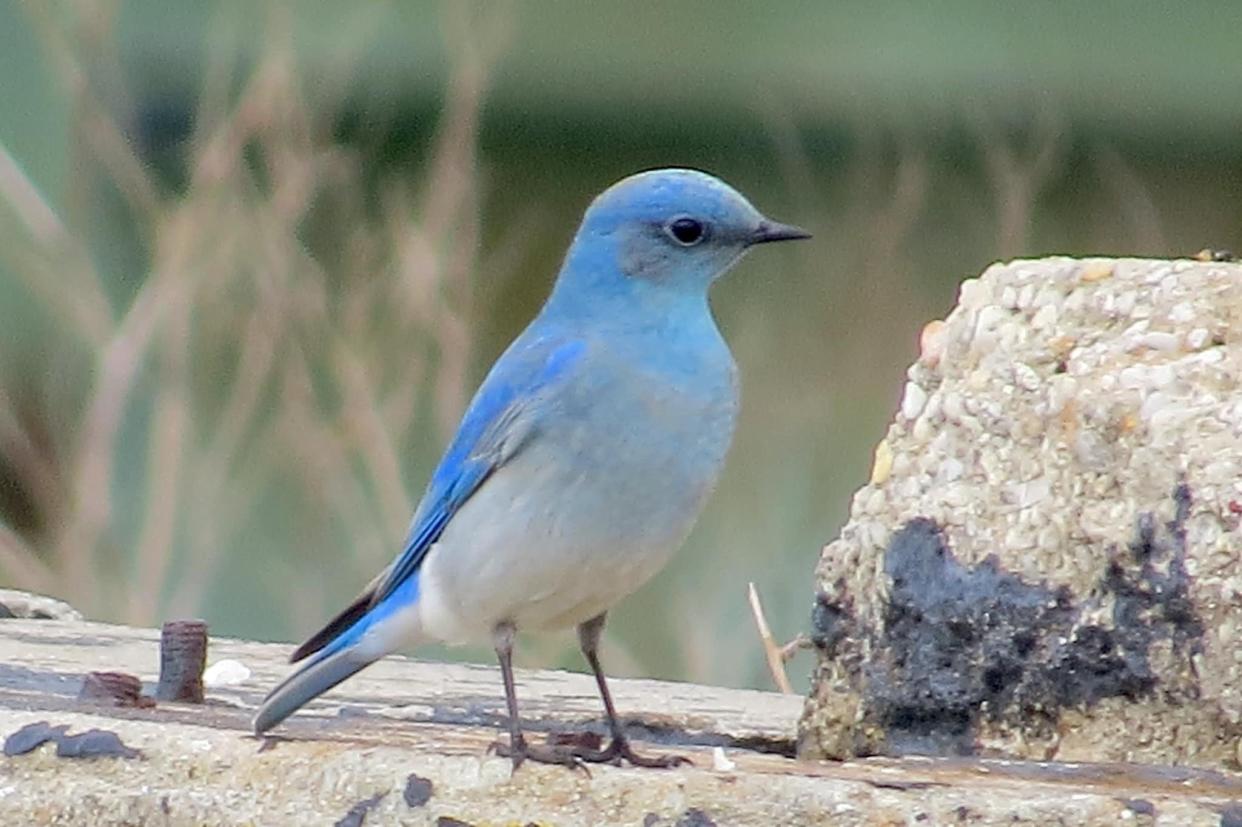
(1210, 357)
(1062, 388)
(1153, 404)
(1134, 377)
(913, 401)
(226, 673)
(922, 430)
(957, 496)
(951, 404)
(1045, 318)
(951, 470)
(1025, 377)
(1182, 313)
(1159, 340)
(973, 294)
(1018, 540)
(1032, 492)
(1124, 304)
(1026, 296)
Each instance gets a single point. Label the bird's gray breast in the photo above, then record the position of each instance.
(606, 487)
(652, 439)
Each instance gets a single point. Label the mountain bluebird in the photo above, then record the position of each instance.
(582, 462)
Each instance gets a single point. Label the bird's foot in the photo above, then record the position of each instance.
(520, 751)
(578, 755)
(619, 750)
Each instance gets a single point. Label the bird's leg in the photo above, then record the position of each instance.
(517, 749)
(619, 749)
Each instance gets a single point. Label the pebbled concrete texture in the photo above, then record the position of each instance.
(407, 743)
(1047, 560)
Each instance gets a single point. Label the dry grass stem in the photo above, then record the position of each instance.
(1017, 178)
(298, 390)
(771, 649)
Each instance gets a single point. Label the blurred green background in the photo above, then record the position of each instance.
(254, 257)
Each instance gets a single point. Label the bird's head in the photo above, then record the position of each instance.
(667, 231)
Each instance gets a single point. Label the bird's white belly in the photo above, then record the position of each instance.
(544, 549)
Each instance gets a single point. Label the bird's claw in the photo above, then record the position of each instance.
(617, 753)
(540, 754)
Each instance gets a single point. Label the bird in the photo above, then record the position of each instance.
(580, 465)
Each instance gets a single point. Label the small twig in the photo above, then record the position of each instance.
(795, 646)
(771, 649)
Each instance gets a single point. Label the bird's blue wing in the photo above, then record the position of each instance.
(498, 422)
(502, 416)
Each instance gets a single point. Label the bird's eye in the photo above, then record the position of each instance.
(686, 231)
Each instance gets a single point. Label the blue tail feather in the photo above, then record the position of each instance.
(333, 659)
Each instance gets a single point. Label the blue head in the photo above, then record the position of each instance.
(659, 239)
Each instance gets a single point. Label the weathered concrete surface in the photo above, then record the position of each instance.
(15, 603)
(1047, 561)
(362, 757)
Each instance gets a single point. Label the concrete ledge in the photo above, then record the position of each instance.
(407, 742)
(1047, 560)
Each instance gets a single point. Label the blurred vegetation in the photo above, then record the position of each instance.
(255, 256)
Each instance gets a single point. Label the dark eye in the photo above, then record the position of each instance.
(686, 231)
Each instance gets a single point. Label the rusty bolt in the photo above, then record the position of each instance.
(183, 656)
(116, 688)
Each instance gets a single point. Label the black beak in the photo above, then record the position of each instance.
(775, 231)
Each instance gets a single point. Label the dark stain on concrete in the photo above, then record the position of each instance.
(963, 643)
(695, 817)
(357, 814)
(92, 743)
(1139, 806)
(832, 619)
(31, 737)
(449, 821)
(418, 790)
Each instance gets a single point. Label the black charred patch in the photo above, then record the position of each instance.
(93, 743)
(957, 640)
(449, 821)
(832, 620)
(695, 817)
(1139, 806)
(1155, 600)
(417, 791)
(357, 814)
(963, 644)
(31, 737)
